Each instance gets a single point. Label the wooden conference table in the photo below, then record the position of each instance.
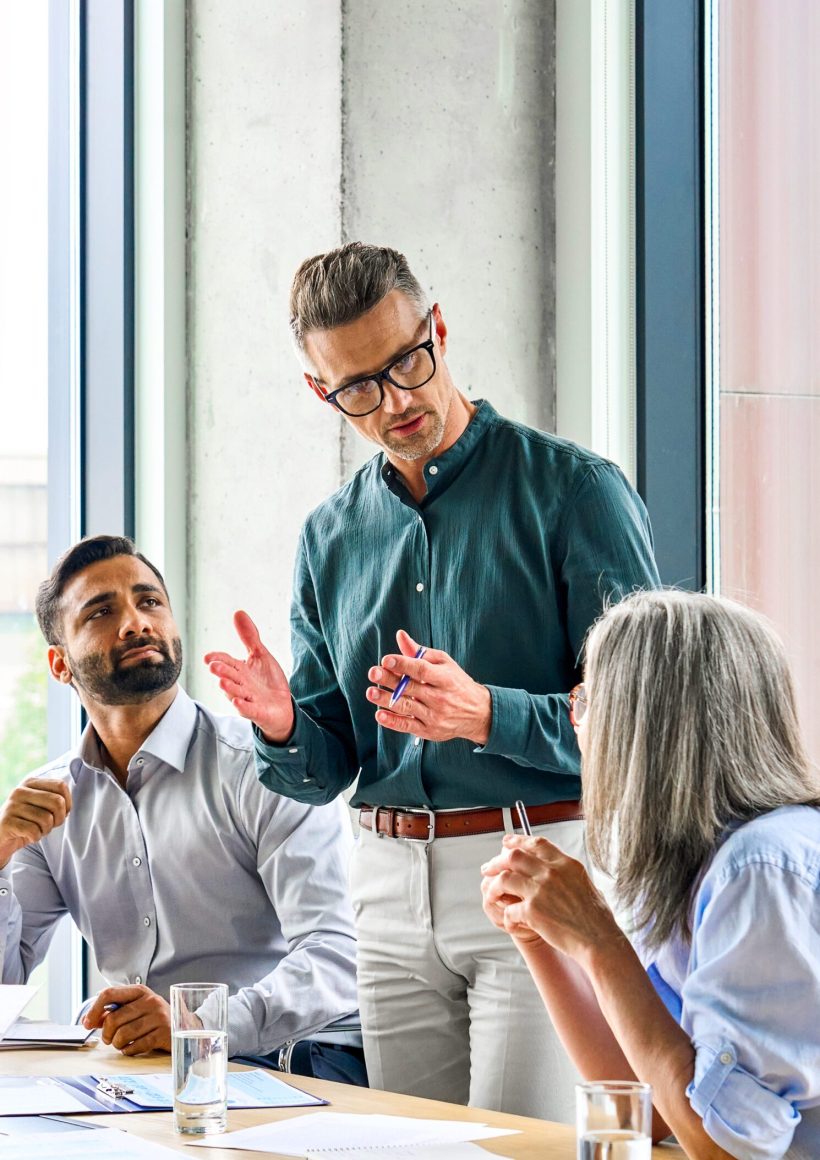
(539, 1140)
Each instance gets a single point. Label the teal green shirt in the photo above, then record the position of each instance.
(504, 564)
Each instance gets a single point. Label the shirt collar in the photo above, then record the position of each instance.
(168, 742)
(441, 469)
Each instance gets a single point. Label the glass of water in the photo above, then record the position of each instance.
(614, 1120)
(199, 1056)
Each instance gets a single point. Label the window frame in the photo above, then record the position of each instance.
(671, 284)
(91, 329)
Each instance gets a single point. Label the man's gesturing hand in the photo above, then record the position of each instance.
(31, 811)
(440, 701)
(141, 1021)
(257, 687)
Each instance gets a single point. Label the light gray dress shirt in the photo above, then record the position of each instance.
(193, 871)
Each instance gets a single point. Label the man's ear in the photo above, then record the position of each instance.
(58, 664)
(316, 387)
(440, 327)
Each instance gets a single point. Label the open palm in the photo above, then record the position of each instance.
(257, 686)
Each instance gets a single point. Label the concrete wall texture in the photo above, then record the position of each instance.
(428, 127)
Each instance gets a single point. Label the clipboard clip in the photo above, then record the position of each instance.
(115, 1091)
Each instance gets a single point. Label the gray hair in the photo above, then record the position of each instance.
(692, 726)
(340, 286)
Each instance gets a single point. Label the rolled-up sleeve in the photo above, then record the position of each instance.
(749, 1004)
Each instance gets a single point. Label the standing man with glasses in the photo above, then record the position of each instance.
(493, 547)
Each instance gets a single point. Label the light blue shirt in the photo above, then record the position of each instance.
(747, 991)
(193, 871)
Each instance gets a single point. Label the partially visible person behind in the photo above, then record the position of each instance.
(700, 799)
(157, 838)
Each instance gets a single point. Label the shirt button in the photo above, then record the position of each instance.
(137, 978)
(293, 749)
(140, 761)
(725, 1057)
(433, 470)
(3, 892)
(146, 921)
(417, 741)
(419, 587)
(137, 861)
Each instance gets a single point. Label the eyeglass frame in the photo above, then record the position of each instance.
(576, 694)
(379, 377)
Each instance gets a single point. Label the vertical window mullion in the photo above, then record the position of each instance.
(670, 283)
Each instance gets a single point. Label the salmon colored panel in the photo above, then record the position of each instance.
(770, 527)
(769, 171)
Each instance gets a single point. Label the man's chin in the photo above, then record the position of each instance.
(416, 446)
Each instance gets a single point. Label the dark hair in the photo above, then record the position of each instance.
(90, 550)
(335, 288)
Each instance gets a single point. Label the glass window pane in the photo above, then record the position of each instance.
(769, 345)
(24, 386)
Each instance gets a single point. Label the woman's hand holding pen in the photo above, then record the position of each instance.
(440, 700)
(535, 891)
(257, 686)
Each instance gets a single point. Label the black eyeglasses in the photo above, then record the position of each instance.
(408, 372)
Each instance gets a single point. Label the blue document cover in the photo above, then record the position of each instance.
(75, 1094)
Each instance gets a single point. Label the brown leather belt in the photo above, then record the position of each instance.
(420, 825)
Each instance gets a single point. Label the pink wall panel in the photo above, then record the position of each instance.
(770, 195)
(770, 527)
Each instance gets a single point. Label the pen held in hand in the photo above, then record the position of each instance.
(405, 680)
(523, 819)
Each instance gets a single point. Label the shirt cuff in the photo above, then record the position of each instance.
(505, 726)
(747, 1119)
(289, 760)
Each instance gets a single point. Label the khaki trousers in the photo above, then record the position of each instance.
(449, 1010)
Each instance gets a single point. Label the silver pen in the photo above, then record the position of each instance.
(523, 819)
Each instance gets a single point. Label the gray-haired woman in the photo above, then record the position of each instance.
(701, 802)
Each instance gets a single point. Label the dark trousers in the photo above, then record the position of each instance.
(320, 1060)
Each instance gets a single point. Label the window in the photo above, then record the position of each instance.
(66, 356)
(24, 377)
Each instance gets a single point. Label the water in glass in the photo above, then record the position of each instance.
(611, 1144)
(199, 1081)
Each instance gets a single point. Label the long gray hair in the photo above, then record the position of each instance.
(691, 726)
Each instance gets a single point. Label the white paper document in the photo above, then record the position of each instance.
(98, 1144)
(331, 1133)
(42, 1033)
(13, 998)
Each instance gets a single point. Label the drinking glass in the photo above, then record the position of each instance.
(199, 1051)
(614, 1120)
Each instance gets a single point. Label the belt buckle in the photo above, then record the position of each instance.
(431, 824)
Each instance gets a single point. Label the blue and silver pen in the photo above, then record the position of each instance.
(523, 819)
(403, 683)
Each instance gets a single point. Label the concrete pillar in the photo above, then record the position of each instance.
(448, 150)
(264, 95)
(430, 128)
